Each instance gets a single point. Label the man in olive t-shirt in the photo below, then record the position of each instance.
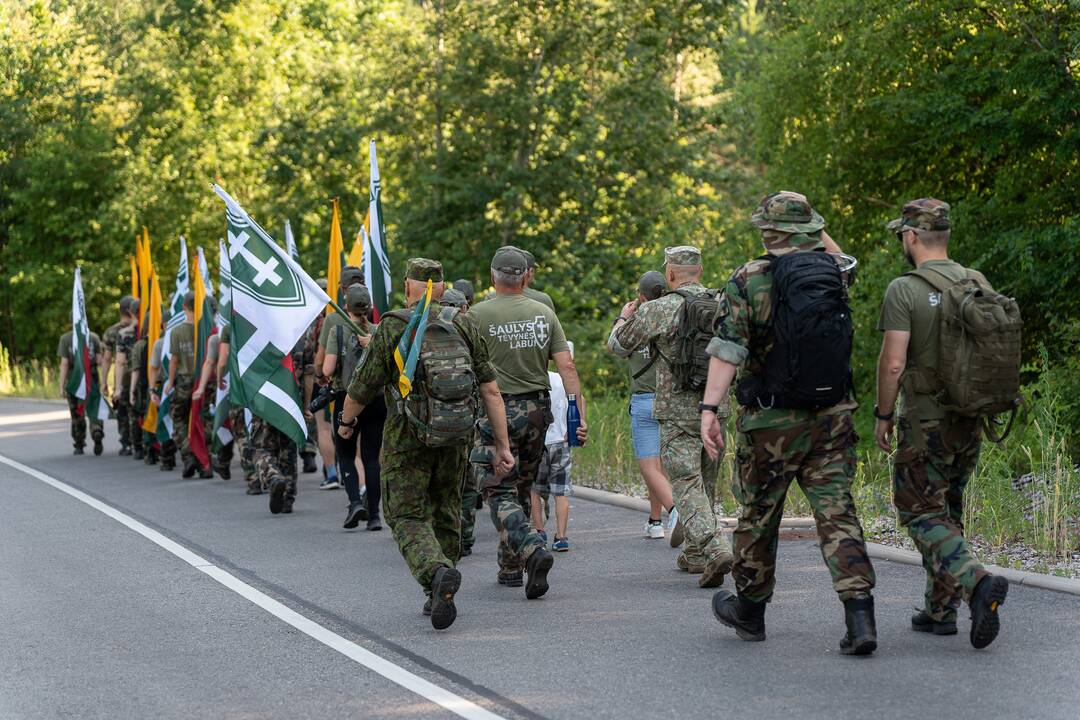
(182, 372)
(929, 481)
(521, 336)
(78, 416)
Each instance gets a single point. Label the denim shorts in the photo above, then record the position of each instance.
(644, 430)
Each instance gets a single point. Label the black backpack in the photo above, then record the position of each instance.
(809, 365)
(697, 318)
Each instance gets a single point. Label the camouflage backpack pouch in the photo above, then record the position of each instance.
(442, 406)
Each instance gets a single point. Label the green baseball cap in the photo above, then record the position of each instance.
(423, 269)
(510, 260)
(787, 211)
(923, 214)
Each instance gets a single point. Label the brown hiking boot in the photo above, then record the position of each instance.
(715, 570)
(684, 564)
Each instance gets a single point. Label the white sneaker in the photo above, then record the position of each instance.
(330, 484)
(654, 530)
(675, 529)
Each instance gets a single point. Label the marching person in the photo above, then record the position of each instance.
(78, 414)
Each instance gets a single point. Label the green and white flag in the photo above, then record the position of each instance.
(82, 383)
(176, 317)
(290, 243)
(204, 270)
(222, 432)
(273, 303)
(376, 266)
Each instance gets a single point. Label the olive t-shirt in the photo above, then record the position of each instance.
(348, 357)
(911, 305)
(521, 336)
(212, 344)
(182, 348)
(332, 320)
(640, 359)
(64, 350)
(155, 353)
(539, 296)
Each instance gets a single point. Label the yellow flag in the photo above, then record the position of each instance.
(356, 255)
(134, 274)
(150, 419)
(145, 271)
(336, 257)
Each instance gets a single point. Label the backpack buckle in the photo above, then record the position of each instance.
(763, 406)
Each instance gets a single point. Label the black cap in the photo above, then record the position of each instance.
(358, 299)
(465, 288)
(652, 285)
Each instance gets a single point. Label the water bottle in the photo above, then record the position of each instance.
(573, 421)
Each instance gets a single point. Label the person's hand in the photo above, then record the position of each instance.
(308, 416)
(712, 434)
(222, 385)
(155, 398)
(116, 396)
(197, 395)
(883, 434)
(628, 309)
(503, 461)
(345, 432)
(582, 434)
(63, 393)
(131, 398)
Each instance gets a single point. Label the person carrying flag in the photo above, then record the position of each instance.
(182, 382)
(427, 427)
(125, 360)
(78, 416)
(111, 338)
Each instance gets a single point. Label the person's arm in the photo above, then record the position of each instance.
(118, 373)
(329, 364)
(629, 332)
(134, 384)
(222, 364)
(172, 377)
(371, 376)
(503, 461)
(891, 363)
(106, 366)
(727, 353)
(721, 375)
(65, 368)
(204, 378)
(564, 364)
(309, 388)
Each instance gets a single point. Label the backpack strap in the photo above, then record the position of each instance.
(935, 278)
(653, 354)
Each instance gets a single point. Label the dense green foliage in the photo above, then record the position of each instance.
(593, 132)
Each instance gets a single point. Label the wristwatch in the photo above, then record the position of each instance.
(702, 407)
(879, 416)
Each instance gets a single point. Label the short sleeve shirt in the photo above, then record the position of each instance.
(182, 348)
(539, 296)
(212, 345)
(331, 321)
(521, 336)
(155, 353)
(643, 359)
(64, 349)
(911, 305)
(112, 334)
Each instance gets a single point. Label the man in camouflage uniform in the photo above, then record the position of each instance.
(470, 494)
(182, 372)
(140, 394)
(274, 451)
(422, 483)
(933, 461)
(75, 406)
(655, 324)
(776, 446)
(237, 423)
(120, 404)
(521, 335)
(125, 359)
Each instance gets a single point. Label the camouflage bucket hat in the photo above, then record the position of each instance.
(423, 270)
(923, 214)
(787, 212)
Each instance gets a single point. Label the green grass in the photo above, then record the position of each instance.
(1048, 522)
(29, 380)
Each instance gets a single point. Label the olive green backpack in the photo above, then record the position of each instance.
(978, 373)
(443, 404)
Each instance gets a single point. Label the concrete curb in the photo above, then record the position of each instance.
(876, 550)
(46, 401)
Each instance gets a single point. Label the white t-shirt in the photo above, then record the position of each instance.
(556, 432)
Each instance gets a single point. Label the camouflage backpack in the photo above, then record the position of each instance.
(349, 350)
(690, 363)
(443, 403)
(978, 373)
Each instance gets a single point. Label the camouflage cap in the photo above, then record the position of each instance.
(682, 255)
(510, 260)
(351, 275)
(652, 285)
(923, 214)
(423, 270)
(357, 299)
(454, 298)
(125, 303)
(787, 211)
(465, 288)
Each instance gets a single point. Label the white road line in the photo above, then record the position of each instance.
(394, 673)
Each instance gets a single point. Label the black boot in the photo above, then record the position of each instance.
(537, 567)
(151, 457)
(78, 450)
(444, 586)
(139, 452)
(861, 637)
(98, 447)
(744, 615)
(309, 463)
(989, 595)
(922, 622)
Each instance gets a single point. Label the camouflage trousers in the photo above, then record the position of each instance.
(275, 456)
(820, 455)
(311, 444)
(928, 491)
(422, 500)
(239, 444)
(78, 423)
(691, 472)
(508, 497)
(122, 408)
(469, 495)
(134, 416)
(180, 412)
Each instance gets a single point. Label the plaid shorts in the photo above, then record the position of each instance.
(554, 475)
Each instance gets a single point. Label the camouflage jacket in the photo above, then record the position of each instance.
(111, 335)
(378, 372)
(656, 323)
(744, 338)
(125, 343)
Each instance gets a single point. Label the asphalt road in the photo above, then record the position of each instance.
(97, 621)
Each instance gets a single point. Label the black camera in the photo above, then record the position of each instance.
(323, 397)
